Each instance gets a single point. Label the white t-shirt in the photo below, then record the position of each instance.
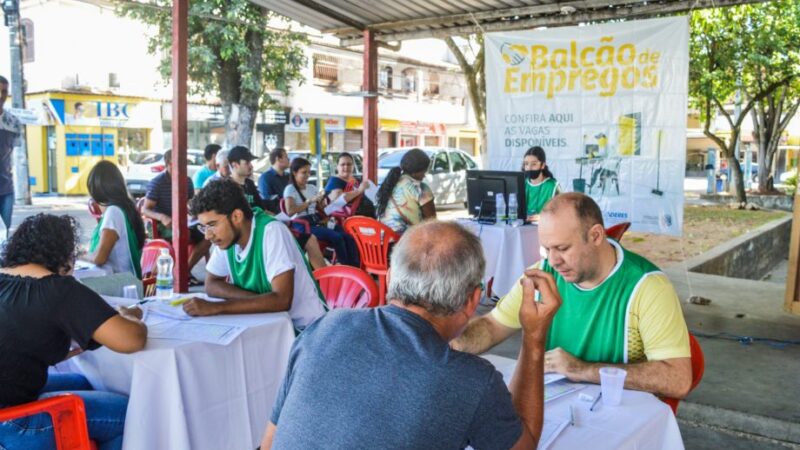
(119, 260)
(309, 192)
(280, 255)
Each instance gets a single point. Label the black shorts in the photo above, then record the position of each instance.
(302, 239)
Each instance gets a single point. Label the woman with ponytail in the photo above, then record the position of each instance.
(118, 239)
(404, 199)
(540, 186)
(305, 200)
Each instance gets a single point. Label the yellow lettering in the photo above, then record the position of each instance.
(559, 59)
(626, 54)
(605, 55)
(585, 62)
(538, 80)
(650, 76)
(538, 56)
(573, 54)
(654, 57)
(608, 82)
(574, 76)
(588, 81)
(556, 83)
(630, 77)
(511, 80)
(526, 78)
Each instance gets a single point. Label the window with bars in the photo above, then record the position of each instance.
(326, 68)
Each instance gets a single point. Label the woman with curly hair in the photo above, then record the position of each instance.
(42, 309)
(118, 239)
(404, 199)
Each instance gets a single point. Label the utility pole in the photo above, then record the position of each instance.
(21, 187)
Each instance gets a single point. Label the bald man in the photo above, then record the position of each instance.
(410, 389)
(618, 308)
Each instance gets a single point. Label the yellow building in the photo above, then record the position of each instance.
(72, 131)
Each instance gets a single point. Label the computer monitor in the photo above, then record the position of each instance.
(483, 185)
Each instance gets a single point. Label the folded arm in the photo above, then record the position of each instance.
(668, 378)
(241, 301)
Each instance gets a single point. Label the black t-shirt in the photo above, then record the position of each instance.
(252, 195)
(38, 317)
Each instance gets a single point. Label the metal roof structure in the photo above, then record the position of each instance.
(393, 20)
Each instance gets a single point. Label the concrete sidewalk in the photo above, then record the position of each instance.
(752, 356)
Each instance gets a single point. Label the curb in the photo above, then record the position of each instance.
(737, 421)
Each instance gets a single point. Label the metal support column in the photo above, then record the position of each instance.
(370, 139)
(180, 231)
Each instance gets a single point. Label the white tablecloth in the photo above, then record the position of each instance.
(194, 395)
(641, 422)
(508, 251)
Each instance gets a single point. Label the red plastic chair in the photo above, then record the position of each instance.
(373, 240)
(698, 368)
(347, 287)
(350, 209)
(617, 231)
(150, 252)
(300, 226)
(94, 210)
(68, 415)
(153, 222)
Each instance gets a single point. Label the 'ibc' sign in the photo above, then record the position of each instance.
(112, 110)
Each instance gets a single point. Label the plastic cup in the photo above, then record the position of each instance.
(131, 292)
(612, 382)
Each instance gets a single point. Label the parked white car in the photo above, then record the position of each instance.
(447, 174)
(144, 166)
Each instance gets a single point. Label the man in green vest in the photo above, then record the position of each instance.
(618, 308)
(259, 256)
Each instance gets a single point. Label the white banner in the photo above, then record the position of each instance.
(607, 103)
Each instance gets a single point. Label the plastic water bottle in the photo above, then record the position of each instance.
(512, 207)
(164, 274)
(500, 208)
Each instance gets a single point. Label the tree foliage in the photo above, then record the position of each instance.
(233, 54)
(750, 47)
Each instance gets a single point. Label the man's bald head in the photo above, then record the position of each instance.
(436, 265)
(583, 208)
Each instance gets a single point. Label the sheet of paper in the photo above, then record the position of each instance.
(560, 388)
(337, 204)
(550, 431)
(551, 377)
(195, 332)
(157, 308)
(371, 192)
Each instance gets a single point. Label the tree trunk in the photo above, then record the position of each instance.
(476, 89)
(738, 179)
(239, 122)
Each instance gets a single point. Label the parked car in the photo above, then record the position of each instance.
(447, 174)
(329, 162)
(144, 166)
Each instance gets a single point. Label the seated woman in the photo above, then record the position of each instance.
(345, 184)
(42, 309)
(404, 199)
(303, 199)
(118, 239)
(540, 186)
